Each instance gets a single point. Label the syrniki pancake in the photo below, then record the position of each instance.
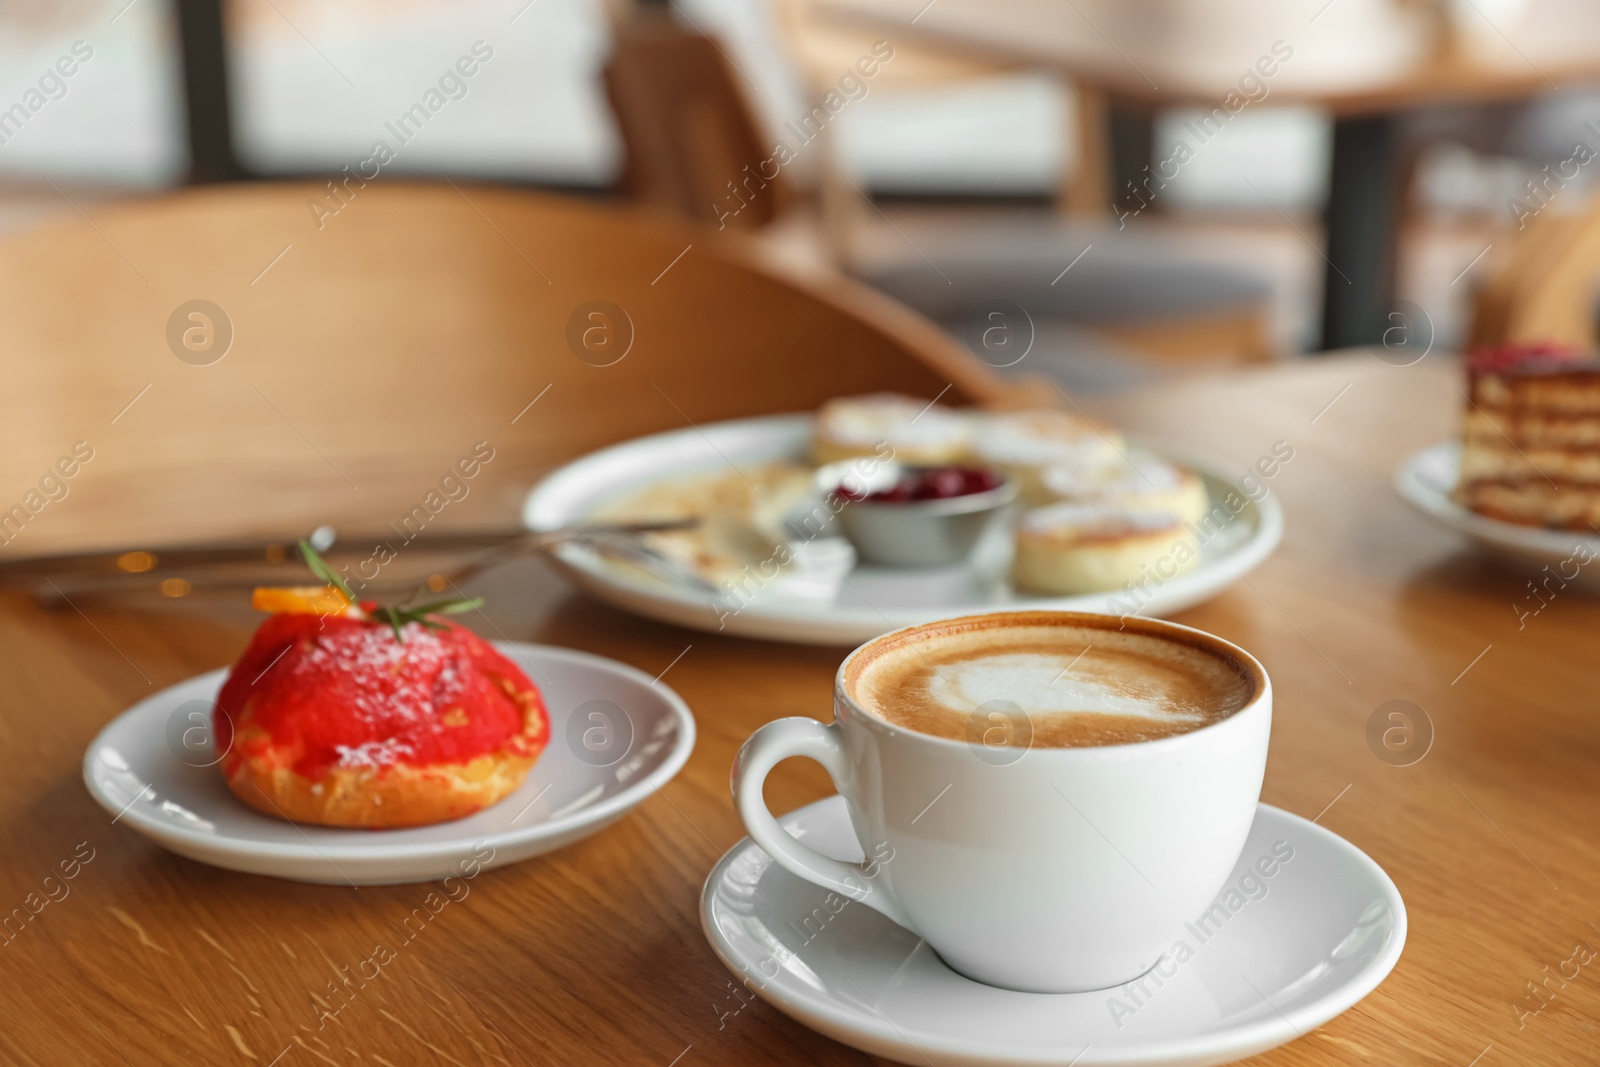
(1080, 548)
(889, 426)
(1142, 482)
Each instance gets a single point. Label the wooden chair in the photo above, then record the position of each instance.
(369, 354)
(1142, 295)
(1545, 288)
(681, 113)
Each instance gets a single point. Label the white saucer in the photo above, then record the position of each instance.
(153, 769)
(1328, 928)
(1427, 478)
(873, 600)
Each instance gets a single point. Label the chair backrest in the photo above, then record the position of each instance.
(365, 349)
(1545, 288)
(690, 138)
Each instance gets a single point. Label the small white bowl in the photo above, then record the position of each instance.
(922, 533)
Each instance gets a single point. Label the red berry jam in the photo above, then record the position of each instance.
(920, 484)
(1536, 357)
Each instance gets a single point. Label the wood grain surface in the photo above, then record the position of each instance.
(593, 954)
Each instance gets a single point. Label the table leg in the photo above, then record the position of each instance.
(1360, 224)
(204, 49)
(1132, 134)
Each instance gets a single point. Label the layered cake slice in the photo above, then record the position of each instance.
(1530, 451)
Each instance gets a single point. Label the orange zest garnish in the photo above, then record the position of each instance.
(301, 600)
(337, 598)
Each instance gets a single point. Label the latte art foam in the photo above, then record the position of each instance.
(1077, 685)
(1042, 684)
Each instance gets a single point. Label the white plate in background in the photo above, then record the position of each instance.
(1427, 478)
(874, 600)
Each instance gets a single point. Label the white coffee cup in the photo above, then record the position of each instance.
(1048, 870)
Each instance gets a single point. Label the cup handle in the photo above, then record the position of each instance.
(771, 745)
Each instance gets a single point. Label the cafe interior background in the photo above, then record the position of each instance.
(1156, 212)
(955, 141)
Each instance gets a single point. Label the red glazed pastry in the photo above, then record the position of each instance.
(365, 716)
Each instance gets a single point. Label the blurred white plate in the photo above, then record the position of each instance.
(1301, 947)
(874, 600)
(1427, 478)
(154, 770)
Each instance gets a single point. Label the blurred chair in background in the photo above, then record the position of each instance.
(423, 328)
(689, 138)
(1546, 289)
(1127, 287)
(1503, 184)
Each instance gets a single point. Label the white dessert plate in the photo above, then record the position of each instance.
(1427, 478)
(872, 600)
(153, 768)
(1285, 954)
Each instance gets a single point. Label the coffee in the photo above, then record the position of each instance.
(1002, 877)
(1078, 681)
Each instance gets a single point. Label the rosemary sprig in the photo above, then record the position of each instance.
(395, 616)
(319, 566)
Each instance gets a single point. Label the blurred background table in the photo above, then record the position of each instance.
(594, 954)
(1368, 178)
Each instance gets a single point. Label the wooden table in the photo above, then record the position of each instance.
(594, 954)
(1366, 169)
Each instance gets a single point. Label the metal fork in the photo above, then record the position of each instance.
(630, 549)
